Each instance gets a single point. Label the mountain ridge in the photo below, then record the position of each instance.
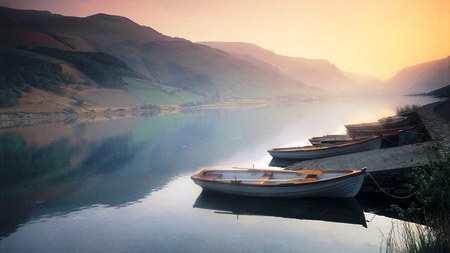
(423, 77)
(320, 73)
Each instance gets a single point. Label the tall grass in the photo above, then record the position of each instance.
(407, 109)
(430, 232)
(408, 237)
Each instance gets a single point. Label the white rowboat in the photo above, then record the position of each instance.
(363, 133)
(281, 183)
(314, 152)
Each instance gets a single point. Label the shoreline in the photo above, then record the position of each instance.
(12, 118)
(18, 119)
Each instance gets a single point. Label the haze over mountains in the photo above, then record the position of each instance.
(422, 78)
(158, 66)
(315, 72)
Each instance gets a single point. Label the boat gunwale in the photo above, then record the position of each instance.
(380, 123)
(320, 148)
(353, 173)
(384, 131)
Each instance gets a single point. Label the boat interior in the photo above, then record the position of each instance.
(268, 176)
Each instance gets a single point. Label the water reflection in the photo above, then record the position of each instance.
(340, 210)
(101, 163)
(43, 176)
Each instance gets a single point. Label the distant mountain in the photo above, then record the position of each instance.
(314, 72)
(443, 92)
(13, 35)
(163, 60)
(422, 78)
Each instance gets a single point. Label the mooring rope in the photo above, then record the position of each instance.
(402, 138)
(387, 193)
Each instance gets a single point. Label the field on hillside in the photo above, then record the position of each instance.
(157, 94)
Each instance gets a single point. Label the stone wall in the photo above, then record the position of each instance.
(391, 181)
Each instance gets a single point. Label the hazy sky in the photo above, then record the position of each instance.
(374, 37)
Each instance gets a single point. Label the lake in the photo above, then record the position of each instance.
(123, 185)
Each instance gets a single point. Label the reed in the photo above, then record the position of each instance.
(408, 237)
(407, 109)
(430, 230)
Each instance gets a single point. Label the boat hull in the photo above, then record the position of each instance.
(332, 150)
(329, 139)
(361, 133)
(384, 123)
(345, 187)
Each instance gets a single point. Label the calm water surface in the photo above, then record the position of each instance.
(123, 185)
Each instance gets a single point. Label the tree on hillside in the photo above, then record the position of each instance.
(105, 69)
(20, 73)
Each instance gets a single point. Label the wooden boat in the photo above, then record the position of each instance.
(337, 210)
(281, 183)
(314, 152)
(383, 123)
(329, 139)
(361, 133)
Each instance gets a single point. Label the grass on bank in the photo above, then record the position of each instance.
(407, 109)
(407, 237)
(431, 231)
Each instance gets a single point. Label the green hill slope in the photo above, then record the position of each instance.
(165, 60)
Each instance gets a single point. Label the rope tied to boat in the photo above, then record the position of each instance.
(387, 193)
(402, 138)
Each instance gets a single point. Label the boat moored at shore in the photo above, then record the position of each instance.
(281, 183)
(314, 152)
(383, 123)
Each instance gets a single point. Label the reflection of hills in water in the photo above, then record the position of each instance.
(79, 166)
(111, 163)
(341, 210)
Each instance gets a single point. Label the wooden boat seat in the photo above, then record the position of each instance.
(311, 177)
(211, 177)
(266, 176)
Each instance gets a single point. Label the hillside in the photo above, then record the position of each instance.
(314, 72)
(422, 78)
(443, 92)
(161, 60)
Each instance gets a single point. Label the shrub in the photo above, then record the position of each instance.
(7, 98)
(20, 73)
